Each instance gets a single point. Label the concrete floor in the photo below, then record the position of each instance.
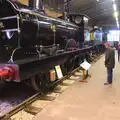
(87, 101)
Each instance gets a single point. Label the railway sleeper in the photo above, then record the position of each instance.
(32, 110)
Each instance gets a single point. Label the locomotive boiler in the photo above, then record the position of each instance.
(31, 43)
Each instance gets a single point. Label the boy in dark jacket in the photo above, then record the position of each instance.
(109, 63)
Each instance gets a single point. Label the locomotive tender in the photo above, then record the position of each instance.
(29, 45)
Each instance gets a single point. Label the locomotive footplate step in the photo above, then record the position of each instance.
(32, 110)
(67, 82)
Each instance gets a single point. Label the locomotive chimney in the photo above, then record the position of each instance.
(36, 4)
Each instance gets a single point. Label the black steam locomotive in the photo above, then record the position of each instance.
(32, 43)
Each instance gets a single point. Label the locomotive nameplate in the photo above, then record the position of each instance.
(1, 25)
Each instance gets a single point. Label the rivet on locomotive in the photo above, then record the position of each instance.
(31, 44)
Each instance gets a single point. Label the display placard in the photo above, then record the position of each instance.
(85, 65)
(59, 72)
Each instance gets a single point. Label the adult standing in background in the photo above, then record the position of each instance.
(109, 62)
(118, 49)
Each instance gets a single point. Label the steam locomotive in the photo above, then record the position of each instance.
(31, 44)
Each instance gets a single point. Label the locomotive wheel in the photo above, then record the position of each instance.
(77, 62)
(36, 83)
(69, 65)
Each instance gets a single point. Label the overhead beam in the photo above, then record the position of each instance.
(108, 25)
(102, 12)
(91, 5)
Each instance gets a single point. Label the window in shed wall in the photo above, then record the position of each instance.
(113, 35)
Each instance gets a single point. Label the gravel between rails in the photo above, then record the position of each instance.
(12, 95)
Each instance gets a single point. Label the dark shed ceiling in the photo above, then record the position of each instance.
(100, 12)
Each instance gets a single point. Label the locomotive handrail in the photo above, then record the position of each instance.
(47, 17)
(10, 17)
(9, 30)
(49, 46)
(11, 58)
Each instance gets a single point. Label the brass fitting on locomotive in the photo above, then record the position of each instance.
(1, 25)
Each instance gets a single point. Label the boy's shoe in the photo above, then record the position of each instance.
(107, 83)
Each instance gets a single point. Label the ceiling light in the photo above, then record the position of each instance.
(116, 19)
(118, 26)
(116, 14)
(117, 23)
(114, 7)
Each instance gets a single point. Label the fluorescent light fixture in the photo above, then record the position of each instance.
(116, 14)
(116, 18)
(117, 23)
(114, 7)
(118, 26)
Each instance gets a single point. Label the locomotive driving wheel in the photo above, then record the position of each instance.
(69, 65)
(36, 83)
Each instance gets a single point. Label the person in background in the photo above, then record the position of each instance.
(109, 63)
(118, 49)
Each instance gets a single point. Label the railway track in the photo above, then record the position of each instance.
(33, 105)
